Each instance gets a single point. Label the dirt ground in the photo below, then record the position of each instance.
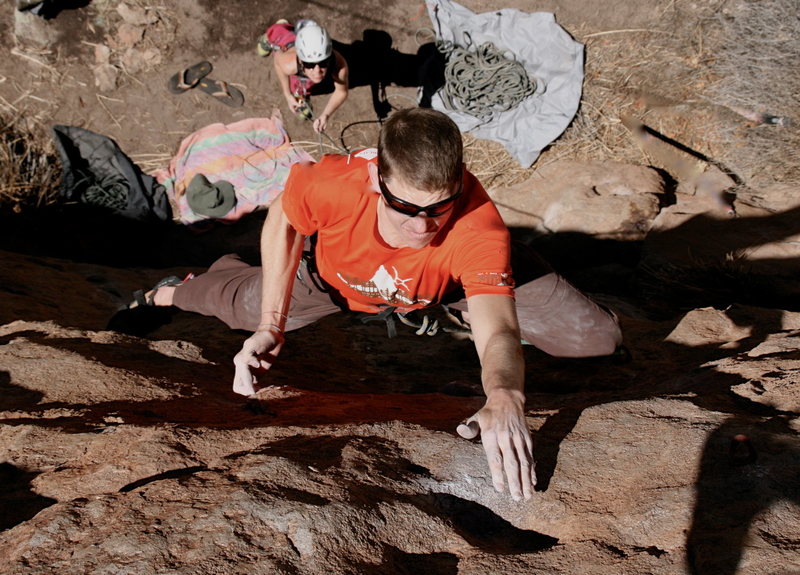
(49, 76)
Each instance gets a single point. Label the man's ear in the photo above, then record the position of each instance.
(372, 168)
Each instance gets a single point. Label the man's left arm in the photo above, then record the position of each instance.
(501, 422)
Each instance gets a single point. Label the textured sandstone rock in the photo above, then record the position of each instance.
(601, 199)
(135, 485)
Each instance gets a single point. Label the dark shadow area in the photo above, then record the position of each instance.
(322, 453)
(49, 9)
(14, 397)
(88, 234)
(170, 474)
(594, 265)
(373, 62)
(548, 442)
(709, 268)
(300, 496)
(397, 562)
(18, 502)
(483, 528)
(747, 465)
(140, 320)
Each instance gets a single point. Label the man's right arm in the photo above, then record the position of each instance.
(281, 248)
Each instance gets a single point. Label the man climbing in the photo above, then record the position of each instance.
(403, 228)
(303, 58)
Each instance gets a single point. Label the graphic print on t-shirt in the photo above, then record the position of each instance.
(389, 287)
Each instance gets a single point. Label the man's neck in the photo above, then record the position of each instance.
(385, 231)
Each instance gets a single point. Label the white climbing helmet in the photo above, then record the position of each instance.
(312, 43)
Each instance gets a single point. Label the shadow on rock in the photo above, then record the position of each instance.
(90, 234)
(482, 527)
(747, 466)
(382, 461)
(398, 562)
(15, 397)
(373, 62)
(17, 500)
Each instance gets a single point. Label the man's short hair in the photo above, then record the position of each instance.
(422, 147)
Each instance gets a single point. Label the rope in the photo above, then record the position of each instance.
(482, 81)
(341, 149)
(350, 125)
(305, 111)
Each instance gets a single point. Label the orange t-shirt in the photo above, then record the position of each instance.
(335, 200)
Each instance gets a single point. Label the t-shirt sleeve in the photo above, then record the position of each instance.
(483, 262)
(298, 197)
(485, 267)
(318, 195)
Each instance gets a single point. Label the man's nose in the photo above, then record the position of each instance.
(422, 223)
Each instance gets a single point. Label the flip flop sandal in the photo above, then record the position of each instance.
(140, 299)
(189, 77)
(222, 91)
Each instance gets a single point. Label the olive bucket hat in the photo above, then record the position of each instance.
(207, 199)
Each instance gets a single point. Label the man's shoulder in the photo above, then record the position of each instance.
(336, 170)
(354, 163)
(334, 180)
(333, 166)
(479, 210)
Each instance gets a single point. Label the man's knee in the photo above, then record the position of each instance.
(563, 322)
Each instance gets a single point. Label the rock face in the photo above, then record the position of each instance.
(754, 255)
(124, 454)
(130, 454)
(606, 200)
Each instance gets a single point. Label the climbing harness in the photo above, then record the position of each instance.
(429, 325)
(481, 80)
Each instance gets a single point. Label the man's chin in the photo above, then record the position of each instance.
(419, 242)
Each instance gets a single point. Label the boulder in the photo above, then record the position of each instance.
(605, 200)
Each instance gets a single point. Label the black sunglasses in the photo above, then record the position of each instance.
(413, 210)
(310, 65)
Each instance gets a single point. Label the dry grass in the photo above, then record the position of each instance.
(150, 163)
(756, 71)
(29, 172)
(491, 164)
(692, 83)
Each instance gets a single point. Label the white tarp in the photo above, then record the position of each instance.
(550, 56)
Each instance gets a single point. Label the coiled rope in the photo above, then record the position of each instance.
(482, 81)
